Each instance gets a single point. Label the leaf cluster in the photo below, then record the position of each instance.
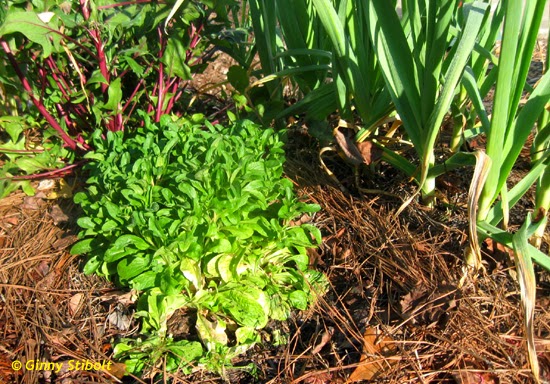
(196, 216)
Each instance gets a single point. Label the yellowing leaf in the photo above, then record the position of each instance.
(64, 191)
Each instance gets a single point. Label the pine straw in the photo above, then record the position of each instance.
(398, 275)
(401, 276)
(38, 279)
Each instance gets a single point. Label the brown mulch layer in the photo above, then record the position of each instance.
(394, 276)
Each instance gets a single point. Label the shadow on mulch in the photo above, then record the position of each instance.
(397, 277)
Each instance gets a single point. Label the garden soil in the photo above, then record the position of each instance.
(395, 311)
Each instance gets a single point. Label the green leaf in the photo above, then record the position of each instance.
(86, 223)
(212, 333)
(30, 165)
(245, 306)
(127, 240)
(128, 268)
(97, 77)
(186, 350)
(83, 246)
(115, 95)
(220, 246)
(92, 265)
(174, 59)
(13, 125)
(299, 299)
(238, 77)
(138, 69)
(29, 24)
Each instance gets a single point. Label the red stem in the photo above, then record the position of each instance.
(57, 172)
(136, 89)
(175, 85)
(161, 84)
(43, 111)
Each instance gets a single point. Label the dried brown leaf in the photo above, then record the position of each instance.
(325, 338)
(118, 370)
(119, 320)
(481, 171)
(349, 148)
(75, 303)
(63, 191)
(468, 377)
(420, 305)
(319, 378)
(64, 242)
(124, 298)
(369, 152)
(376, 349)
(57, 215)
(33, 203)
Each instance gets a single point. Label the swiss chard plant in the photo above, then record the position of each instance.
(198, 217)
(82, 65)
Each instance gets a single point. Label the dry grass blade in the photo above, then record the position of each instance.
(528, 286)
(483, 164)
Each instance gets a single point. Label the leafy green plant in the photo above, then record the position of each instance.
(197, 216)
(292, 52)
(23, 157)
(88, 65)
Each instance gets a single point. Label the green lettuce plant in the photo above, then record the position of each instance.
(197, 216)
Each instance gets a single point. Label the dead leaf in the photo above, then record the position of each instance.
(57, 215)
(124, 298)
(12, 220)
(377, 349)
(421, 247)
(369, 152)
(45, 185)
(481, 171)
(118, 370)
(33, 203)
(43, 268)
(119, 320)
(468, 377)
(62, 338)
(63, 191)
(497, 249)
(325, 338)
(347, 145)
(319, 378)
(50, 279)
(64, 242)
(314, 257)
(423, 306)
(75, 303)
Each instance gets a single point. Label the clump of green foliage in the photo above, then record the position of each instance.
(197, 216)
(68, 68)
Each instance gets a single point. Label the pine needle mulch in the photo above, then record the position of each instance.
(393, 314)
